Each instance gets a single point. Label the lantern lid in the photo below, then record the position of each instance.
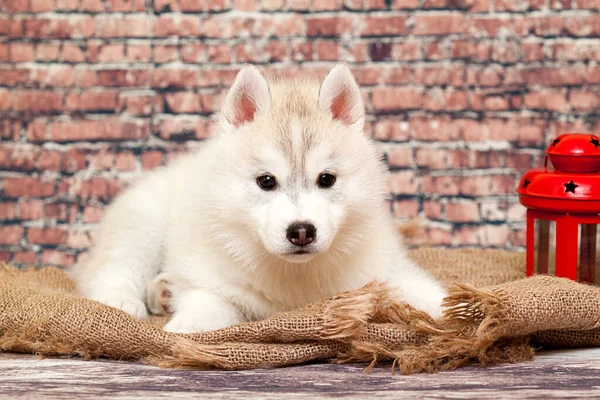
(571, 184)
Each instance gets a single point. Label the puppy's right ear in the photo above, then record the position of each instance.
(248, 96)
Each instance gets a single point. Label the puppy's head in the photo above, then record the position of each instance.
(303, 176)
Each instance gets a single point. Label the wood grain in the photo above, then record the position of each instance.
(556, 374)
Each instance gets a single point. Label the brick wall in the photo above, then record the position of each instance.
(462, 96)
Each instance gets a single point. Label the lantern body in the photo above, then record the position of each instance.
(565, 245)
(563, 210)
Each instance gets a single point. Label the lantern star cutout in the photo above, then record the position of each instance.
(595, 142)
(555, 142)
(570, 187)
(526, 183)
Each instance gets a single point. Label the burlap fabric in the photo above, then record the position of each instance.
(493, 315)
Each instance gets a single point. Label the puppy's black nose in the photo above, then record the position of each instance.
(301, 233)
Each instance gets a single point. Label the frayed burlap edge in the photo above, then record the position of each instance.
(469, 333)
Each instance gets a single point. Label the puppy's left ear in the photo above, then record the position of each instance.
(248, 96)
(340, 95)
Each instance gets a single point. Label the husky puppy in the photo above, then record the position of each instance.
(283, 206)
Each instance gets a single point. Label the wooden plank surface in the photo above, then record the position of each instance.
(556, 374)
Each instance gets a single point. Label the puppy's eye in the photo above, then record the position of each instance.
(326, 180)
(266, 182)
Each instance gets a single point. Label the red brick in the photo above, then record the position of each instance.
(503, 184)
(404, 182)
(531, 134)
(466, 211)
(46, 236)
(93, 6)
(101, 161)
(452, 100)
(494, 235)
(135, 104)
(92, 214)
(405, 208)
(163, 54)
(66, 5)
(72, 53)
(49, 161)
(122, 78)
(186, 102)
(432, 210)
(34, 187)
(441, 185)
(458, 158)
(30, 210)
(92, 101)
(139, 52)
(151, 159)
(17, 6)
(78, 240)
(438, 236)
(38, 6)
(55, 257)
(494, 210)
(56, 211)
(21, 52)
(400, 157)
(4, 52)
(107, 129)
(7, 211)
(37, 101)
(435, 51)
(182, 128)
(383, 26)
(326, 5)
(17, 159)
(443, 24)
(389, 99)
(496, 103)
(392, 130)
(127, 5)
(433, 129)
(430, 158)
(476, 185)
(328, 50)
(407, 50)
(405, 4)
(272, 5)
(47, 52)
(132, 26)
(125, 161)
(74, 160)
(164, 78)
(583, 100)
(25, 257)
(467, 235)
(547, 100)
(329, 26)
(219, 54)
(434, 76)
(111, 53)
(11, 234)
(193, 52)
(398, 76)
(60, 27)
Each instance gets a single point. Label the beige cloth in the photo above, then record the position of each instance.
(493, 315)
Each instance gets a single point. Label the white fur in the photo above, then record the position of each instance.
(221, 240)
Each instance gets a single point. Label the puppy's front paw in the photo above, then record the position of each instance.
(158, 295)
(132, 306)
(181, 325)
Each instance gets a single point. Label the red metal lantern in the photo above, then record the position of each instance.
(563, 210)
